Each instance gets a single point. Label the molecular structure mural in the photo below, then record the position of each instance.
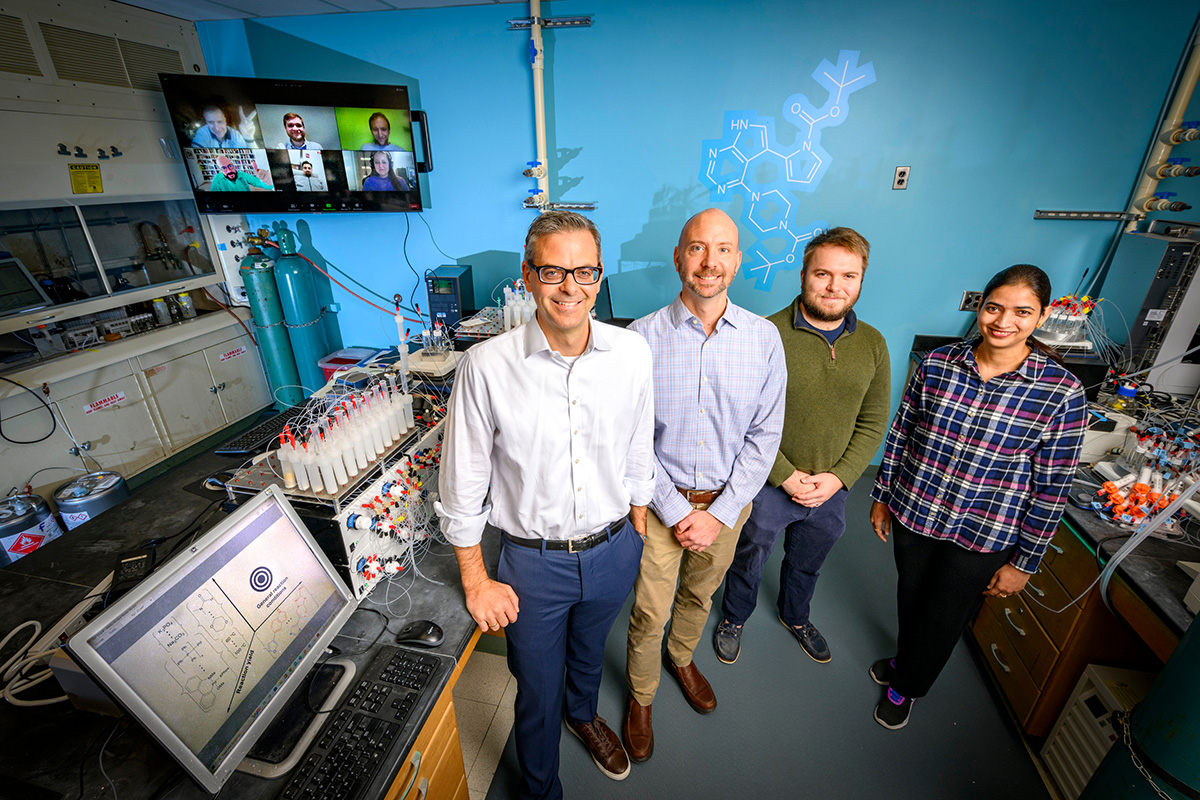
(749, 162)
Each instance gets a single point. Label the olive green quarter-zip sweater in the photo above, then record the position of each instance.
(836, 404)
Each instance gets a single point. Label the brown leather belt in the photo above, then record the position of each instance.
(700, 497)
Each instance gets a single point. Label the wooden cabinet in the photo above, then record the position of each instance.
(434, 768)
(1036, 646)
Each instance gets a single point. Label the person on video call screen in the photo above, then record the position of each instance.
(383, 178)
(293, 123)
(230, 179)
(381, 131)
(215, 132)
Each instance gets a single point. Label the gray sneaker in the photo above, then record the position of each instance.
(727, 641)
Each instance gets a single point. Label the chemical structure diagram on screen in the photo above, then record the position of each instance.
(750, 163)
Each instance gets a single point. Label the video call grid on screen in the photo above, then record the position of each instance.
(246, 142)
(209, 648)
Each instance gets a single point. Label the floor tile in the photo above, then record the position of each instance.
(484, 678)
(474, 720)
(479, 776)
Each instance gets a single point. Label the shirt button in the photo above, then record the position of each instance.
(702, 411)
(577, 461)
(573, 402)
(575, 433)
(579, 488)
(581, 516)
(702, 444)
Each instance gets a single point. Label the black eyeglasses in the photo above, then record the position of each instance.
(584, 276)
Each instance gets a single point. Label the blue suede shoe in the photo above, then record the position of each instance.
(811, 641)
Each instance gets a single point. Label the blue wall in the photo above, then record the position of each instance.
(999, 110)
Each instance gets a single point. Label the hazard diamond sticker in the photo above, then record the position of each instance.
(26, 543)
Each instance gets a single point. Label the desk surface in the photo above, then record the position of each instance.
(1149, 570)
(46, 747)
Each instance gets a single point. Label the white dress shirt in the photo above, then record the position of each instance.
(566, 447)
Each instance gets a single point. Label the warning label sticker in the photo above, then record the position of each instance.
(85, 179)
(234, 353)
(111, 400)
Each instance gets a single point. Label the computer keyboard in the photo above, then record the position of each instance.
(261, 436)
(366, 728)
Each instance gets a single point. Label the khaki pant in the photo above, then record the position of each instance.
(656, 600)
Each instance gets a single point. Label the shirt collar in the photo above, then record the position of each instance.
(1031, 368)
(734, 314)
(799, 323)
(534, 339)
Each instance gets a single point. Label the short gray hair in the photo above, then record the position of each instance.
(551, 222)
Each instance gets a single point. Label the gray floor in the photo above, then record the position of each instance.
(788, 727)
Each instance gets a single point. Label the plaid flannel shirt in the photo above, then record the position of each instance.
(984, 464)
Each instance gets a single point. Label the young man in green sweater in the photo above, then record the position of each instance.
(835, 417)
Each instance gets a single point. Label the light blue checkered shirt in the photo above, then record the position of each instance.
(718, 407)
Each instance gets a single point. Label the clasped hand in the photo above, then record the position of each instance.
(811, 490)
(697, 530)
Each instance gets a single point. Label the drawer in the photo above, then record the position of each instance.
(1002, 661)
(1025, 635)
(1044, 595)
(1071, 562)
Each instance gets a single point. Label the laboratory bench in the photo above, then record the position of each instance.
(47, 748)
(1036, 644)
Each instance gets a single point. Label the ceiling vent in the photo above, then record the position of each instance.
(16, 54)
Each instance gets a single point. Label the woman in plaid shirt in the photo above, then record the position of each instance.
(976, 469)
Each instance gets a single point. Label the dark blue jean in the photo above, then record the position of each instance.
(568, 603)
(810, 535)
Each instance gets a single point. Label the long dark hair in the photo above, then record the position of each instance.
(1038, 282)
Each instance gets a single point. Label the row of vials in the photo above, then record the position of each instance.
(351, 437)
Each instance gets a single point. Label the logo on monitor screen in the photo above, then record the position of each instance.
(261, 579)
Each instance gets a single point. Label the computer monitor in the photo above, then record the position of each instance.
(206, 651)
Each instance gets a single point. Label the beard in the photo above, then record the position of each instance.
(809, 301)
(711, 291)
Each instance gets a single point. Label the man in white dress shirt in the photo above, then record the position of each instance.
(557, 418)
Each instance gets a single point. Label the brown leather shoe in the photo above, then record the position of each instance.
(695, 687)
(604, 746)
(637, 733)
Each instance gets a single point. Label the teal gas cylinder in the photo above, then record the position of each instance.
(1165, 732)
(298, 298)
(258, 275)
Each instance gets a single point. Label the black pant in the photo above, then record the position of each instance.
(940, 590)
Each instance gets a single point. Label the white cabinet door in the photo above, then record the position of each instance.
(115, 420)
(239, 377)
(185, 395)
(22, 422)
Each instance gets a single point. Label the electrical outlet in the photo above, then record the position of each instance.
(970, 301)
(900, 181)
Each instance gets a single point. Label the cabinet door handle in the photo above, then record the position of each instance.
(212, 389)
(1056, 548)
(996, 655)
(423, 788)
(415, 760)
(1035, 590)
(221, 386)
(1008, 616)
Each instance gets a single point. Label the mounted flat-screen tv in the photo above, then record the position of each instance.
(256, 145)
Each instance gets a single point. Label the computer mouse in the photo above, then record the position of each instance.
(421, 633)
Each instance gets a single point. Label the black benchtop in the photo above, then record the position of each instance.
(1149, 570)
(44, 746)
